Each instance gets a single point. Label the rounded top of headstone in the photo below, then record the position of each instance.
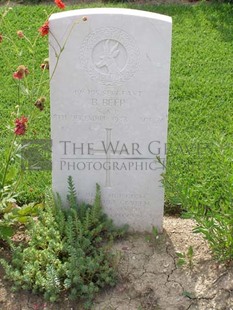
(111, 11)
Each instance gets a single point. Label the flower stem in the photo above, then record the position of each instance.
(8, 162)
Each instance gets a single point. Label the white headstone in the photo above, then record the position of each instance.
(109, 105)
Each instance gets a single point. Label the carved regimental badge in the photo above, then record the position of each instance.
(110, 56)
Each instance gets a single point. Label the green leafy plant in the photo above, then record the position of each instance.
(6, 231)
(206, 196)
(153, 236)
(217, 228)
(14, 216)
(185, 258)
(155, 232)
(68, 250)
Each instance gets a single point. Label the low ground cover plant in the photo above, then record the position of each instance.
(67, 250)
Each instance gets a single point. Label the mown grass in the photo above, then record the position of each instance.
(199, 166)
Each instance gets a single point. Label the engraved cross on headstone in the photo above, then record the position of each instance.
(108, 155)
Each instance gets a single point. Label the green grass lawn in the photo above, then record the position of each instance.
(199, 166)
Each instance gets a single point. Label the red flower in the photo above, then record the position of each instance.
(18, 75)
(21, 72)
(1, 38)
(44, 29)
(20, 125)
(60, 4)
